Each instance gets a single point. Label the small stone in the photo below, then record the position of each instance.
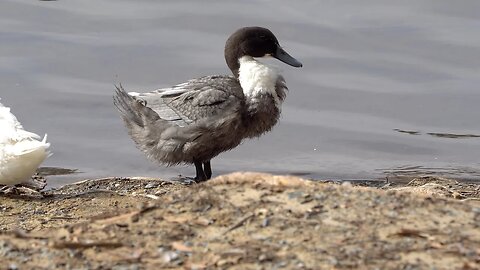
(391, 214)
(295, 194)
(300, 265)
(282, 242)
(265, 222)
(222, 262)
(169, 256)
(333, 261)
(262, 257)
(151, 185)
(38, 212)
(320, 197)
(261, 211)
(160, 192)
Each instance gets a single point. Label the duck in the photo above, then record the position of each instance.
(193, 122)
(21, 151)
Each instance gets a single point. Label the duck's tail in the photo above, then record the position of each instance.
(133, 111)
(144, 125)
(21, 151)
(20, 159)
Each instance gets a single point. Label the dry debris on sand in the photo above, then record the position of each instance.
(243, 221)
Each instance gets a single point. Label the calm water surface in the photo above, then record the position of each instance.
(387, 87)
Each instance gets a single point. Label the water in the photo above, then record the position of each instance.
(385, 89)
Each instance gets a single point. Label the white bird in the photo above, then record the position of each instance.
(21, 152)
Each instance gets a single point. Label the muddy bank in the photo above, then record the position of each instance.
(244, 221)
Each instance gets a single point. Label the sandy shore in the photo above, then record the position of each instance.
(243, 221)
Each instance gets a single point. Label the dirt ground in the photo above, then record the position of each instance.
(243, 221)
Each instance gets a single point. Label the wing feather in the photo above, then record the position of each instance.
(196, 99)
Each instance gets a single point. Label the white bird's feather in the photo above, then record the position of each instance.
(21, 151)
(257, 78)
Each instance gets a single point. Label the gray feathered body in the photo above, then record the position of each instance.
(197, 120)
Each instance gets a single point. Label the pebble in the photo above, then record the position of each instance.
(262, 257)
(222, 262)
(39, 212)
(265, 222)
(151, 185)
(4, 248)
(320, 197)
(295, 194)
(169, 256)
(333, 261)
(300, 265)
(391, 214)
(126, 267)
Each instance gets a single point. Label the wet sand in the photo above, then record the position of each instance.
(244, 221)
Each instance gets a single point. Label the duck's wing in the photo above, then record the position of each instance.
(196, 99)
(11, 128)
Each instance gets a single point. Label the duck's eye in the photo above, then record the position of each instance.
(263, 37)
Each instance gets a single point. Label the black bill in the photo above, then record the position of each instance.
(283, 56)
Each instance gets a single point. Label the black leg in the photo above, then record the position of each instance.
(200, 177)
(207, 169)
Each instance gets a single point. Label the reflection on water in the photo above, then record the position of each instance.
(369, 67)
(453, 136)
(49, 171)
(439, 134)
(411, 132)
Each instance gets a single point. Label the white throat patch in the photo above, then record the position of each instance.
(257, 78)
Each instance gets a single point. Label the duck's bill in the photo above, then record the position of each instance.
(283, 56)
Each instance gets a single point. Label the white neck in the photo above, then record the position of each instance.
(256, 79)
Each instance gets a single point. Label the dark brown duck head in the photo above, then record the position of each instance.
(255, 42)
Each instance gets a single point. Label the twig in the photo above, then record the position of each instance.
(410, 233)
(470, 199)
(62, 217)
(238, 224)
(86, 245)
(149, 196)
(301, 220)
(24, 235)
